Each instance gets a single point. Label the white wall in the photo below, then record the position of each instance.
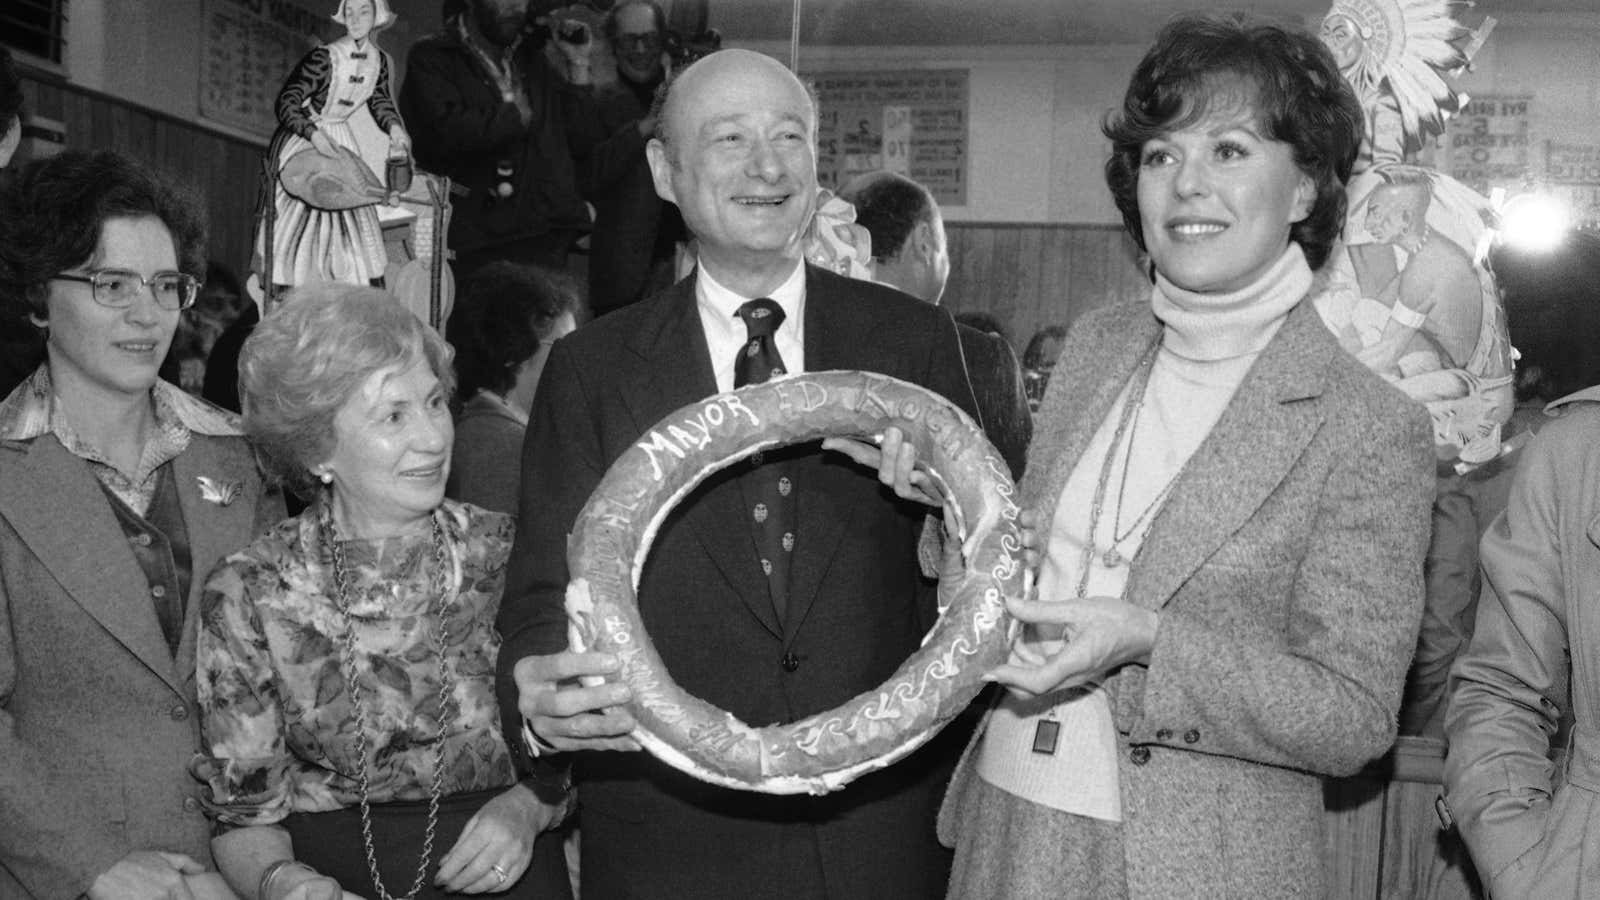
(1035, 151)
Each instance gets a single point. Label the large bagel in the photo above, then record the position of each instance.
(826, 751)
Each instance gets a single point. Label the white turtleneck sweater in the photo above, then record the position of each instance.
(1208, 343)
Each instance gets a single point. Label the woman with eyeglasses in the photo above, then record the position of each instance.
(118, 493)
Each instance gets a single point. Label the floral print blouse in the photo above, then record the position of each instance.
(278, 724)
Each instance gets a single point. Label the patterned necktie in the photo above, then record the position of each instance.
(758, 360)
(768, 488)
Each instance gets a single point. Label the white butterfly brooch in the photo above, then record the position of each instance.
(215, 490)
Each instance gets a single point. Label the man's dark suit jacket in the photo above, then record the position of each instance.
(857, 607)
(996, 379)
(461, 127)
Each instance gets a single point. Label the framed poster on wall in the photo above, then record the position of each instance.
(912, 121)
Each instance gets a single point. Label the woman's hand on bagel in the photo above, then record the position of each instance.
(1032, 539)
(566, 714)
(895, 458)
(1101, 634)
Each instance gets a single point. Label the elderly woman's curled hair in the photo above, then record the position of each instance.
(310, 355)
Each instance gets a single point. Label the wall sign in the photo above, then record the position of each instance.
(250, 46)
(1487, 144)
(913, 122)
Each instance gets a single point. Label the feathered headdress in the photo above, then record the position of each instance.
(1410, 49)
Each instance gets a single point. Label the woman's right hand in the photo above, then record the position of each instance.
(323, 144)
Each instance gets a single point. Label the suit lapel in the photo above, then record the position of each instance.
(1264, 430)
(1106, 366)
(214, 531)
(675, 370)
(86, 552)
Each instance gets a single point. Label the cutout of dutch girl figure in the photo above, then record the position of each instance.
(333, 240)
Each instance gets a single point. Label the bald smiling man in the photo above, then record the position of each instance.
(737, 154)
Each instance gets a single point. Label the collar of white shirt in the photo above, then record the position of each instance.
(725, 331)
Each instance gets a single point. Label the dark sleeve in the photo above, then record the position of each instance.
(614, 156)
(451, 111)
(562, 461)
(580, 114)
(381, 103)
(306, 89)
(946, 372)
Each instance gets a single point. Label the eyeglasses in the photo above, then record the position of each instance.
(118, 288)
(646, 41)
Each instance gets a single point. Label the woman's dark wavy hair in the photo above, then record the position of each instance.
(505, 313)
(52, 213)
(1300, 99)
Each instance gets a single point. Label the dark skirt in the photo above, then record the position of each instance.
(330, 842)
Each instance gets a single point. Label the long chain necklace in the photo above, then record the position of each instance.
(341, 582)
(1113, 557)
(1130, 405)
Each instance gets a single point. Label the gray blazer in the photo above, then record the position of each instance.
(1287, 568)
(97, 718)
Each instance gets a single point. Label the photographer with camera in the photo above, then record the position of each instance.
(488, 109)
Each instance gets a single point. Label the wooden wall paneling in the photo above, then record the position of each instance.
(221, 168)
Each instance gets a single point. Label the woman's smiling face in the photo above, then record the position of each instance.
(1217, 197)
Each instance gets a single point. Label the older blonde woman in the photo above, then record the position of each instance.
(347, 657)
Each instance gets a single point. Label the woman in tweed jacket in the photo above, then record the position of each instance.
(1231, 514)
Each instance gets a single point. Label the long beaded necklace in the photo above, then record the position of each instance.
(341, 582)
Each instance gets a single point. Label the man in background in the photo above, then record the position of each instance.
(909, 252)
(486, 108)
(635, 237)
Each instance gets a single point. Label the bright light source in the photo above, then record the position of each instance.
(1534, 223)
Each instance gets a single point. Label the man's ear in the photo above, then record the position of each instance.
(660, 169)
(921, 239)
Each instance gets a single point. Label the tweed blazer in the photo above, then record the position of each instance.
(1287, 569)
(1530, 824)
(97, 716)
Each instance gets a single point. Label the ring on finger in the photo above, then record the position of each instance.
(501, 873)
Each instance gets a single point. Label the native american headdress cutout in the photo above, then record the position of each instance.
(1409, 50)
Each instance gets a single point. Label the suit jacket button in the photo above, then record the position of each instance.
(1192, 736)
(179, 713)
(790, 662)
(1163, 734)
(190, 804)
(1139, 755)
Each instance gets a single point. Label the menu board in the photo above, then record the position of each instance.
(250, 46)
(913, 122)
(1487, 142)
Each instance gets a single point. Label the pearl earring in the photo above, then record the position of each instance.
(326, 476)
